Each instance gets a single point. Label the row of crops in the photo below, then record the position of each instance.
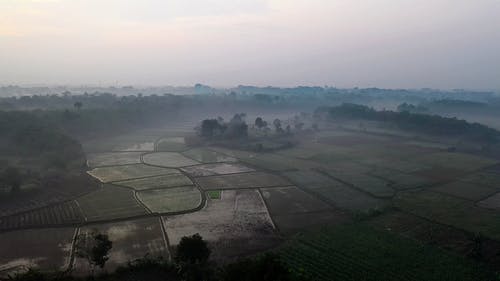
(358, 252)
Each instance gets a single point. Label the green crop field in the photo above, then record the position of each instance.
(293, 209)
(61, 214)
(170, 200)
(207, 156)
(110, 202)
(458, 161)
(375, 186)
(168, 159)
(449, 210)
(113, 158)
(125, 172)
(335, 192)
(486, 178)
(245, 180)
(401, 181)
(363, 253)
(492, 202)
(164, 181)
(214, 194)
(465, 190)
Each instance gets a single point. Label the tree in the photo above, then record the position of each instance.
(12, 177)
(78, 105)
(260, 123)
(277, 126)
(192, 249)
(192, 258)
(94, 247)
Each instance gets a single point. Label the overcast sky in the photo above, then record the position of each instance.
(343, 43)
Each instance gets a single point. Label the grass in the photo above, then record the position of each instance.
(214, 194)
(358, 252)
(110, 202)
(125, 172)
(168, 159)
(170, 200)
(164, 181)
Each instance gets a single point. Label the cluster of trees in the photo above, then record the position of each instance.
(424, 123)
(408, 107)
(218, 128)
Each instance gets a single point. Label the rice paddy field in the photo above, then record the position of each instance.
(155, 182)
(217, 169)
(171, 200)
(340, 205)
(110, 202)
(113, 158)
(125, 172)
(168, 159)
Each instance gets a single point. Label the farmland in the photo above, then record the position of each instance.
(217, 169)
(110, 202)
(168, 159)
(154, 182)
(125, 172)
(361, 253)
(240, 215)
(171, 200)
(246, 180)
(131, 240)
(381, 196)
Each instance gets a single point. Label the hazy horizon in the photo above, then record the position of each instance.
(440, 44)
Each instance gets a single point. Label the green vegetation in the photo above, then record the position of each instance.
(422, 123)
(93, 247)
(214, 194)
(166, 181)
(171, 200)
(358, 252)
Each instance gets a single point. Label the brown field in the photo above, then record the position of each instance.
(237, 224)
(47, 249)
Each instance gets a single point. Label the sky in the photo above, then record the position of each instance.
(445, 44)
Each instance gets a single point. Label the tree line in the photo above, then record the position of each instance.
(423, 123)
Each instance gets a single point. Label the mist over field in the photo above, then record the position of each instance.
(249, 140)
